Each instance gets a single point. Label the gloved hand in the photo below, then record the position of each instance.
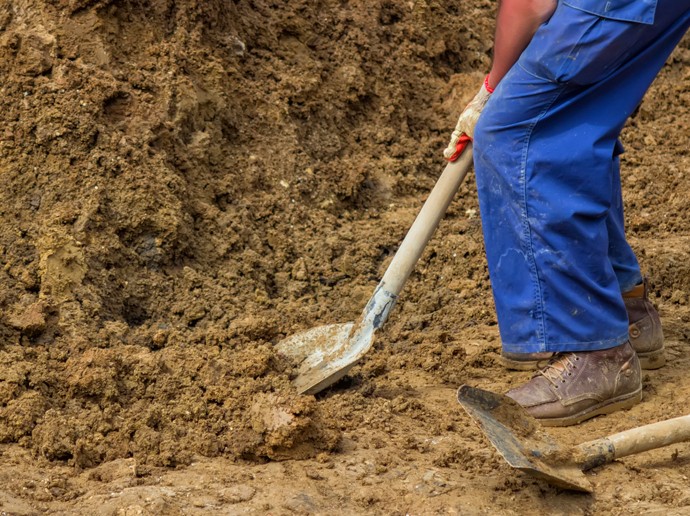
(464, 130)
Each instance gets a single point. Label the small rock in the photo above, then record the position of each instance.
(237, 494)
(302, 503)
(238, 46)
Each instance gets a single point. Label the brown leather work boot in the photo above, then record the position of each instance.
(646, 336)
(574, 387)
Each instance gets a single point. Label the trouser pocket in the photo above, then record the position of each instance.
(579, 47)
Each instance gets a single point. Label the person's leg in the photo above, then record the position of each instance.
(620, 254)
(644, 324)
(543, 152)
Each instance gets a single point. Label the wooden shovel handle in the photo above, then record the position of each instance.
(644, 438)
(426, 222)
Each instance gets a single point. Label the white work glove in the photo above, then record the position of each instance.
(464, 130)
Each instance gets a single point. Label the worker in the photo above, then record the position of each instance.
(569, 294)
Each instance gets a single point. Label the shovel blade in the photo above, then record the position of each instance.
(519, 439)
(326, 353)
(323, 355)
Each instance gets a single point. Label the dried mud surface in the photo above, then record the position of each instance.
(185, 183)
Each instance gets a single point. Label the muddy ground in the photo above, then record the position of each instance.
(185, 183)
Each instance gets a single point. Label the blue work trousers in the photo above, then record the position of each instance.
(546, 159)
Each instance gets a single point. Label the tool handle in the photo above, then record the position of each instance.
(426, 222)
(644, 438)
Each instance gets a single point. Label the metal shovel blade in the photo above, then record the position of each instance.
(315, 352)
(519, 439)
(323, 355)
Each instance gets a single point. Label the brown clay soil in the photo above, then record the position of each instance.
(186, 182)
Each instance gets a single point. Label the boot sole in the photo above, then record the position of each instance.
(606, 407)
(649, 360)
(652, 359)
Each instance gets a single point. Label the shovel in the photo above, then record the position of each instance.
(518, 437)
(325, 354)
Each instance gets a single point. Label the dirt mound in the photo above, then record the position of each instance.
(180, 180)
(184, 183)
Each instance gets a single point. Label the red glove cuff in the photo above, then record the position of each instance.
(460, 146)
(486, 84)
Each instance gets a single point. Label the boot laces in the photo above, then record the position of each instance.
(559, 367)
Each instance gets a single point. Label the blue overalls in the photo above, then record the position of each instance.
(546, 159)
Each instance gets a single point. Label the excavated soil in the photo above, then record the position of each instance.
(186, 182)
